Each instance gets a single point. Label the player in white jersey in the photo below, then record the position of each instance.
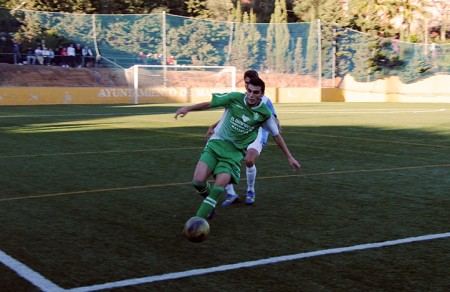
(253, 152)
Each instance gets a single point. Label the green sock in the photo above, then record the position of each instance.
(209, 203)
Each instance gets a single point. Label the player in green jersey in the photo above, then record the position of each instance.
(253, 152)
(238, 127)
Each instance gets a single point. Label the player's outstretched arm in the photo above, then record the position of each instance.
(292, 161)
(196, 107)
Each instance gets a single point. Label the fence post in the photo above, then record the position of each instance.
(333, 57)
(164, 48)
(319, 53)
(135, 83)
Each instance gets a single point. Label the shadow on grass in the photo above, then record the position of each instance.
(107, 204)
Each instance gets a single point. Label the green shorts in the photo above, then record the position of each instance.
(221, 156)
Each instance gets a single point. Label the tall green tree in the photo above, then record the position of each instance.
(299, 61)
(372, 16)
(201, 42)
(72, 6)
(331, 14)
(328, 11)
(220, 10)
(245, 52)
(278, 56)
(198, 8)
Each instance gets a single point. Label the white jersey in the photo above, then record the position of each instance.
(263, 135)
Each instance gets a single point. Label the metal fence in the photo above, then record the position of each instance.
(322, 52)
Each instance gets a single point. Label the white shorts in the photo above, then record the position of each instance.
(259, 142)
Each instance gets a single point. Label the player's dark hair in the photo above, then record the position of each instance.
(250, 74)
(258, 82)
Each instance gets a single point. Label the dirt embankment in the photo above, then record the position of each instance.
(49, 76)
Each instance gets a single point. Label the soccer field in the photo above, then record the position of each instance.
(95, 198)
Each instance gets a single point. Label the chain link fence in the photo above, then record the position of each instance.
(320, 54)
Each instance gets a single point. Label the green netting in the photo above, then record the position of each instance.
(322, 53)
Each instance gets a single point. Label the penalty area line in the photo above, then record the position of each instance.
(249, 264)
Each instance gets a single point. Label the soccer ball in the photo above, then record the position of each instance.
(196, 229)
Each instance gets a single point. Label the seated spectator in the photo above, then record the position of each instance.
(31, 58)
(171, 61)
(39, 55)
(142, 58)
(161, 59)
(153, 59)
(46, 55)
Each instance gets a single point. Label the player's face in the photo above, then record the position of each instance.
(254, 94)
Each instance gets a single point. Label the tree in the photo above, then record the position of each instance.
(220, 10)
(199, 41)
(372, 16)
(409, 12)
(245, 51)
(262, 8)
(278, 56)
(197, 8)
(299, 61)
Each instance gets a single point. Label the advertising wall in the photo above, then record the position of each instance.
(434, 89)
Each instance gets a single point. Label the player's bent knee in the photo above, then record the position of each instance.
(198, 184)
(249, 162)
(202, 188)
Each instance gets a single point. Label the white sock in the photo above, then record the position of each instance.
(230, 189)
(251, 177)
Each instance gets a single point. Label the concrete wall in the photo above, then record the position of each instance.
(435, 89)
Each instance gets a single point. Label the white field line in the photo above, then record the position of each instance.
(47, 286)
(362, 111)
(28, 274)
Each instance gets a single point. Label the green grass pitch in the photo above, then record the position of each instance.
(95, 198)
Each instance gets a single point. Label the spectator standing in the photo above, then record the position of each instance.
(88, 57)
(51, 56)
(17, 54)
(64, 57)
(78, 55)
(70, 56)
(57, 53)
